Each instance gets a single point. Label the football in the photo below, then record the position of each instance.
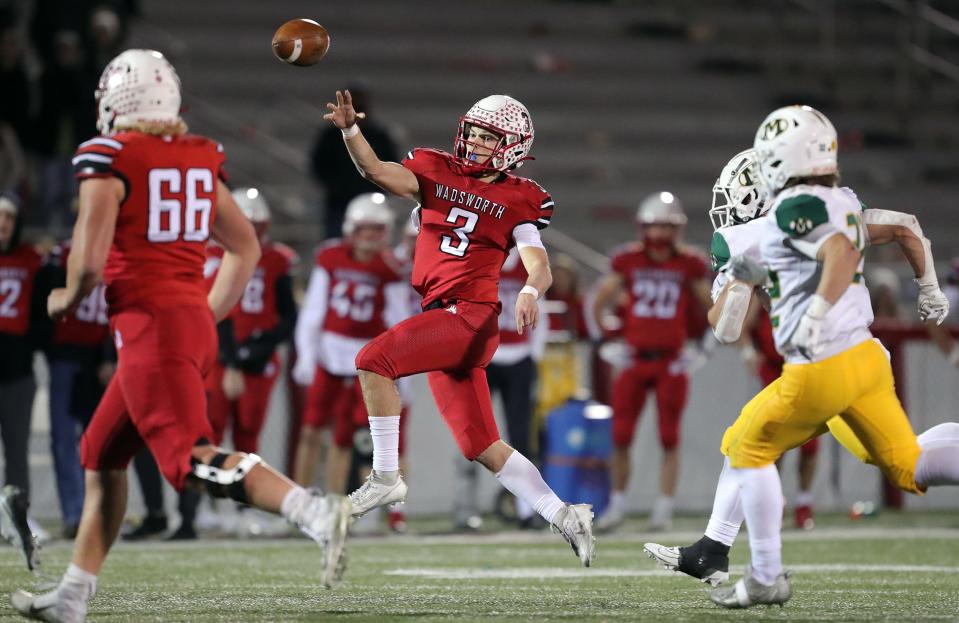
(301, 42)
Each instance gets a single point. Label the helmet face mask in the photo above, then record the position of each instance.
(794, 142)
(507, 118)
(137, 87)
(738, 196)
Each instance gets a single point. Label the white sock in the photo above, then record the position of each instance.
(727, 516)
(617, 503)
(948, 431)
(938, 464)
(386, 443)
(523, 509)
(804, 498)
(522, 479)
(77, 584)
(762, 500)
(291, 501)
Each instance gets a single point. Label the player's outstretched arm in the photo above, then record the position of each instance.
(536, 262)
(92, 237)
(234, 232)
(885, 226)
(390, 176)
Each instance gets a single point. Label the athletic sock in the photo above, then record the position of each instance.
(947, 431)
(762, 501)
(386, 444)
(938, 464)
(617, 503)
(727, 515)
(521, 478)
(292, 501)
(804, 498)
(77, 586)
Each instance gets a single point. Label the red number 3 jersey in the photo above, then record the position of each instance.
(164, 222)
(466, 227)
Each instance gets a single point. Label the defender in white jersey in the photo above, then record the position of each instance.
(811, 241)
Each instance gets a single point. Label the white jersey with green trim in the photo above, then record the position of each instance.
(731, 241)
(801, 219)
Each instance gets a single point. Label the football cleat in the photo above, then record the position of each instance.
(375, 492)
(49, 607)
(711, 568)
(15, 527)
(326, 520)
(805, 520)
(609, 521)
(748, 592)
(575, 523)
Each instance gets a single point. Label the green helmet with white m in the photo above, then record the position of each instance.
(738, 196)
(794, 141)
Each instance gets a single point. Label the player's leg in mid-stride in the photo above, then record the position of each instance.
(461, 336)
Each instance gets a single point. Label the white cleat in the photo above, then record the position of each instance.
(375, 492)
(326, 519)
(575, 523)
(748, 592)
(709, 569)
(609, 521)
(47, 607)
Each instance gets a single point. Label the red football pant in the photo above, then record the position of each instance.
(247, 413)
(769, 371)
(629, 396)
(453, 347)
(157, 395)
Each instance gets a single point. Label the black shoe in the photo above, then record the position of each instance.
(185, 532)
(706, 560)
(152, 525)
(14, 526)
(69, 531)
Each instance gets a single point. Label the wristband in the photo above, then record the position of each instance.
(528, 289)
(351, 131)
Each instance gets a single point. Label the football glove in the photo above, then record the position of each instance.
(932, 303)
(807, 335)
(746, 269)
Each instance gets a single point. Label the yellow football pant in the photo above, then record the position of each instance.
(856, 384)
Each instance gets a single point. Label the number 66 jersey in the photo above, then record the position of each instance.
(159, 246)
(467, 227)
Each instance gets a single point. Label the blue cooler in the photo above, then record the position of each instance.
(579, 442)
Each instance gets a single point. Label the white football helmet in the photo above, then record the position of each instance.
(137, 86)
(795, 141)
(252, 204)
(662, 208)
(738, 196)
(505, 116)
(367, 209)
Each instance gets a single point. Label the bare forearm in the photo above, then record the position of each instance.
(914, 250)
(540, 277)
(231, 279)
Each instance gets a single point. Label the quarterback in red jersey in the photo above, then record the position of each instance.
(151, 197)
(241, 381)
(356, 292)
(472, 211)
(661, 279)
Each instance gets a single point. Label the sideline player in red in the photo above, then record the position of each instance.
(356, 291)
(473, 210)
(660, 278)
(150, 198)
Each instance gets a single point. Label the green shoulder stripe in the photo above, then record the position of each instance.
(797, 216)
(718, 251)
(863, 205)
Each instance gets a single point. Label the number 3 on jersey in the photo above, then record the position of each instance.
(469, 220)
(166, 214)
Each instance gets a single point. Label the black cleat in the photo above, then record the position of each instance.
(152, 525)
(705, 560)
(185, 532)
(14, 526)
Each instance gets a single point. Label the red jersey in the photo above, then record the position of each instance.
(356, 290)
(18, 270)
(87, 325)
(164, 221)
(511, 280)
(659, 296)
(467, 227)
(257, 309)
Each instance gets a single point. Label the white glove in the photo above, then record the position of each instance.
(415, 218)
(806, 337)
(932, 303)
(748, 270)
(304, 371)
(690, 359)
(233, 383)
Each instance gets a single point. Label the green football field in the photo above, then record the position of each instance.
(898, 567)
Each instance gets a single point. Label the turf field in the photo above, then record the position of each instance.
(892, 568)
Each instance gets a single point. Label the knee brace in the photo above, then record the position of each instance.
(224, 483)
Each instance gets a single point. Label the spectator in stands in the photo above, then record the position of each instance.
(81, 361)
(155, 521)
(334, 170)
(23, 325)
(885, 290)
(942, 335)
